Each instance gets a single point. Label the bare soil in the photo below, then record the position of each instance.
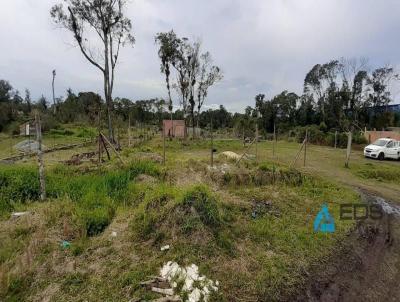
(366, 267)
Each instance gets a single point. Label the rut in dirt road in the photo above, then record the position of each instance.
(368, 266)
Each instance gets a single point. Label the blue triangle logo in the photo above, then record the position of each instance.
(324, 222)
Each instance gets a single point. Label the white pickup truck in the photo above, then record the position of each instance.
(383, 148)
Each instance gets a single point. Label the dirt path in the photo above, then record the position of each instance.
(367, 268)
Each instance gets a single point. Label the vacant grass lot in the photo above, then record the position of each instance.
(56, 137)
(248, 226)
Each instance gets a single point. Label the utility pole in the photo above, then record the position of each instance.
(54, 97)
(40, 157)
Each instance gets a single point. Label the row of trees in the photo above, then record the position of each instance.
(341, 94)
(188, 71)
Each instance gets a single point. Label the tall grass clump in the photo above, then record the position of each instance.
(95, 212)
(96, 194)
(200, 198)
(171, 211)
(19, 185)
(155, 207)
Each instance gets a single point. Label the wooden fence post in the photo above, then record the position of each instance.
(163, 135)
(335, 139)
(129, 130)
(305, 147)
(256, 141)
(42, 179)
(273, 142)
(348, 151)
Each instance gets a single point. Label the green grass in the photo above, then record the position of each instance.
(380, 173)
(263, 257)
(97, 194)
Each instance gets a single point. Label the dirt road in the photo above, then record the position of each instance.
(367, 268)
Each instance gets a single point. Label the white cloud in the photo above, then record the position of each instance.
(262, 46)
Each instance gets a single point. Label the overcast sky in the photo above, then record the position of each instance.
(262, 46)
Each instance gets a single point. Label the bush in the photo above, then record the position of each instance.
(61, 132)
(86, 132)
(319, 136)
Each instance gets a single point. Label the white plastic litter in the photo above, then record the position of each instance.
(165, 247)
(198, 287)
(18, 214)
(113, 234)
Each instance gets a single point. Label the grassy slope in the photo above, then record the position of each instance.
(264, 258)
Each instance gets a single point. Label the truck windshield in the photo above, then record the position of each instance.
(380, 142)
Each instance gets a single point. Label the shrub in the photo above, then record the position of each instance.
(61, 132)
(86, 132)
(319, 136)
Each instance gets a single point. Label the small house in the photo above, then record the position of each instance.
(27, 129)
(174, 128)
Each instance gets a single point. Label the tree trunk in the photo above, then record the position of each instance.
(107, 89)
(198, 121)
(348, 151)
(194, 132)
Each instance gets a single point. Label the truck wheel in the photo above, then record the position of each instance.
(381, 156)
(398, 156)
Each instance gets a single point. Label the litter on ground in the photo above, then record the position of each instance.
(176, 282)
(18, 214)
(198, 287)
(165, 247)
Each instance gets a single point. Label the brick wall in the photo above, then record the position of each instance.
(175, 128)
(372, 136)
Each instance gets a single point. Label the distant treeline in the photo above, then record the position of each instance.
(338, 95)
